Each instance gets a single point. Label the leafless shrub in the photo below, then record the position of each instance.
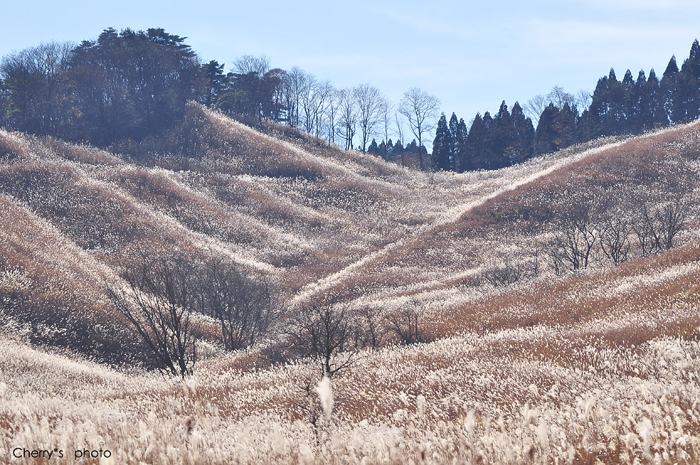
(406, 324)
(672, 218)
(372, 332)
(512, 271)
(656, 228)
(615, 238)
(504, 275)
(159, 303)
(241, 305)
(327, 334)
(573, 244)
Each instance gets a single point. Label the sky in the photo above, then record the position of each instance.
(471, 55)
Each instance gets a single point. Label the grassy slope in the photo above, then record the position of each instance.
(599, 365)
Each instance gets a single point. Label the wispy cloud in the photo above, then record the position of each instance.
(429, 23)
(631, 5)
(567, 33)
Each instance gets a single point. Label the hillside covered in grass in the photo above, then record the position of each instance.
(542, 312)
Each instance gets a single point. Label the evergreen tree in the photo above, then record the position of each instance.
(460, 145)
(596, 118)
(399, 153)
(373, 147)
(475, 145)
(566, 125)
(442, 146)
(502, 138)
(546, 134)
(657, 112)
(630, 105)
(485, 157)
(687, 93)
(131, 84)
(669, 82)
(217, 81)
(454, 149)
(643, 113)
(584, 131)
(556, 129)
(615, 120)
(523, 144)
(382, 150)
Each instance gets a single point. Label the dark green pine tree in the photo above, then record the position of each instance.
(596, 118)
(382, 150)
(643, 113)
(630, 105)
(399, 153)
(524, 135)
(669, 82)
(217, 81)
(606, 115)
(454, 149)
(460, 145)
(658, 114)
(373, 147)
(688, 86)
(502, 138)
(547, 133)
(474, 146)
(693, 61)
(615, 120)
(485, 158)
(566, 125)
(442, 146)
(583, 127)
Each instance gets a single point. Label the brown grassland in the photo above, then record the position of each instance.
(529, 348)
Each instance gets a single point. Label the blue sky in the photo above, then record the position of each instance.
(471, 55)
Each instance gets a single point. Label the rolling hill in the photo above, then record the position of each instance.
(536, 341)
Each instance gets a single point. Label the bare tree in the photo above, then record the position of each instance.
(506, 274)
(535, 106)
(657, 228)
(347, 118)
(558, 97)
(322, 94)
(371, 329)
(252, 64)
(293, 86)
(328, 334)
(399, 134)
(583, 99)
(158, 303)
(421, 110)
(614, 237)
(242, 305)
(672, 219)
(313, 98)
(331, 114)
(574, 241)
(405, 323)
(307, 101)
(369, 101)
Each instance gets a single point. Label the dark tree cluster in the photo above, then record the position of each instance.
(616, 107)
(398, 153)
(123, 85)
